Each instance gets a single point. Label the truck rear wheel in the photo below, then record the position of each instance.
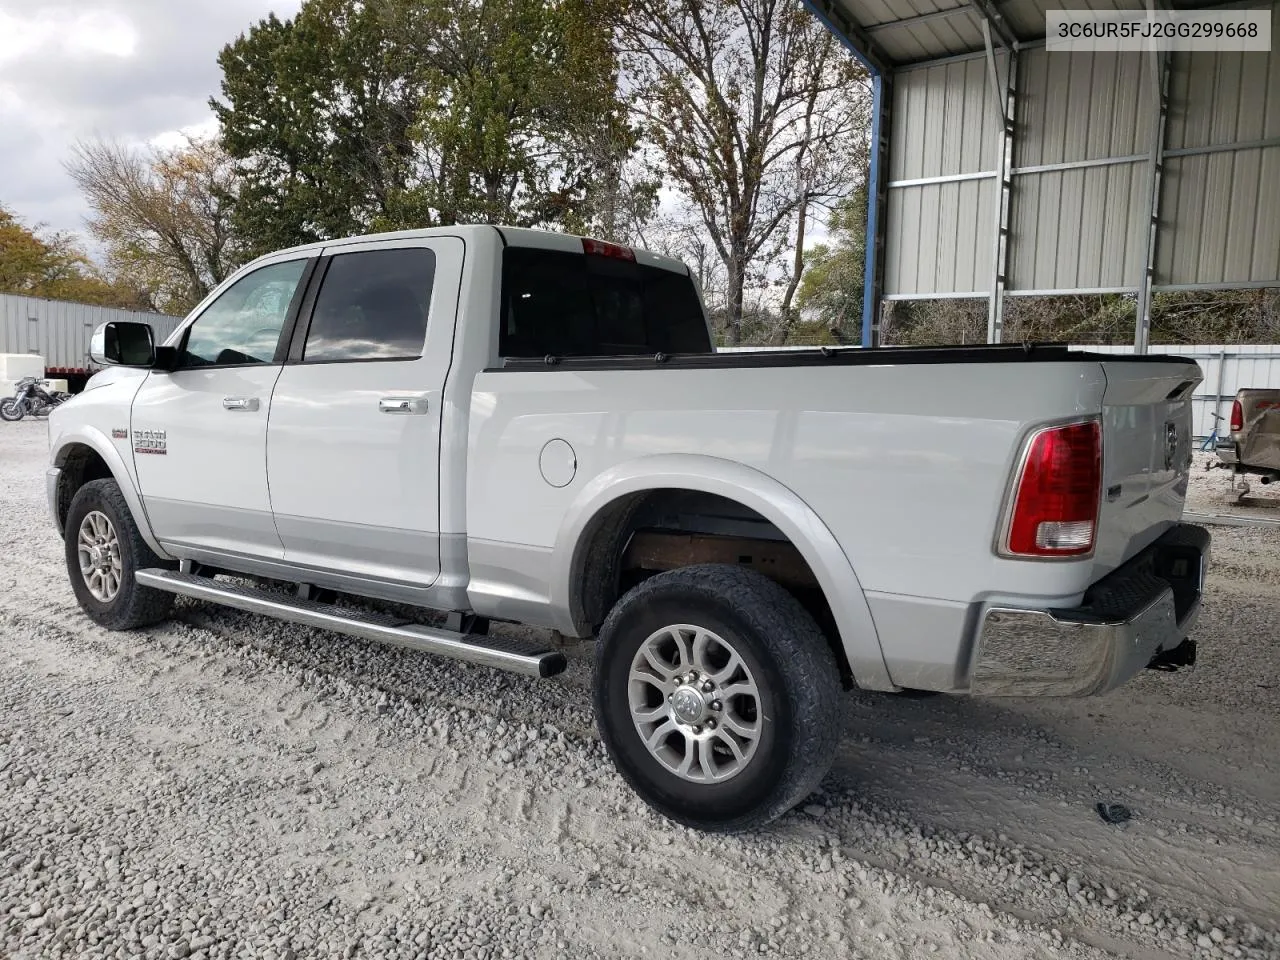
(104, 550)
(716, 696)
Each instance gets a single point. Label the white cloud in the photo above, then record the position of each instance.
(101, 32)
(65, 33)
(171, 139)
(138, 71)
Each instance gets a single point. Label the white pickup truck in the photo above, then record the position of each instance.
(508, 425)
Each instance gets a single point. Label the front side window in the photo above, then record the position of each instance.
(372, 305)
(243, 325)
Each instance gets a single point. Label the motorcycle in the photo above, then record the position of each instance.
(30, 398)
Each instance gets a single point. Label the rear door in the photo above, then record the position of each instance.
(354, 439)
(1146, 453)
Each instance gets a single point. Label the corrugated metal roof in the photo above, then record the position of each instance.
(1226, 97)
(940, 234)
(1220, 212)
(1082, 106)
(1220, 219)
(1085, 227)
(1078, 229)
(946, 124)
(940, 238)
(59, 330)
(914, 31)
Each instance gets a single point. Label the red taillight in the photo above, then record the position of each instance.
(1237, 417)
(1055, 506)
(600, 248)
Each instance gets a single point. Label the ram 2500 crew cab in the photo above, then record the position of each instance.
(509, 425)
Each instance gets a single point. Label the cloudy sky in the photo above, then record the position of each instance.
(135, 70)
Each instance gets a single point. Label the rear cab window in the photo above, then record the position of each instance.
(566, 304)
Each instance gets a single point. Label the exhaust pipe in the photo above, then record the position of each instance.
(1183, 655)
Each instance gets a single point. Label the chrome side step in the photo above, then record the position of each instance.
(500, 652)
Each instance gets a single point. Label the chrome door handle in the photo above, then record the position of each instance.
(248, 404)
(406, 405)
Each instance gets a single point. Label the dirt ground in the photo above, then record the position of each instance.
(1216, 491)
(228, 786)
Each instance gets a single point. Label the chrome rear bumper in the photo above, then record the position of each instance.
(1129, 619)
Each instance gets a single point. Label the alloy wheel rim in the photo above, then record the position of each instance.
(98, 550)
(695, 704)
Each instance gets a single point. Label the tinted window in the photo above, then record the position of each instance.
(574, 305)
(372, 306)
(243, 325)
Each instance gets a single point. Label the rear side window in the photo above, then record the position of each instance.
(556, 303)
(372, 305)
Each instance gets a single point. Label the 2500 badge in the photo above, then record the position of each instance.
(150, 441)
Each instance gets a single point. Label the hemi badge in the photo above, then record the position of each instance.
(118, 434)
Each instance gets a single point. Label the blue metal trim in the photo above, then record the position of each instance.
(877, 68)
(873, 212)
(839, 34)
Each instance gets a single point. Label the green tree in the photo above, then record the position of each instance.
(520, 119)
(36, 264)
(316, 111)
(385, 114)
(830, 295)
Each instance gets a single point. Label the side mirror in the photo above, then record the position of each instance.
(123, 343)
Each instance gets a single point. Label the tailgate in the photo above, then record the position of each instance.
(1146, 453)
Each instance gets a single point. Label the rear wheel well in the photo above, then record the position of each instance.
(643, 534)
(80, 465)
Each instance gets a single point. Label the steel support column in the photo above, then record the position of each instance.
(1006, 107)
(864, 47)
(877, 210)
(1160, 100)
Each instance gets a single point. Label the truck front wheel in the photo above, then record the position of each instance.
(104, 550)
(716, 696)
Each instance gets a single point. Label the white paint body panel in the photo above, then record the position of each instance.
(355, 490)
(912, 497)
(88, 419)
(210, 488)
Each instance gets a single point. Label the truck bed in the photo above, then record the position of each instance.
(906, 455)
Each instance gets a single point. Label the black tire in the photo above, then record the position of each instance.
(11, 410)
(132, 606)
(787, 655)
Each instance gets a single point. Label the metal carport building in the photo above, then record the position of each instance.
(1000, 169)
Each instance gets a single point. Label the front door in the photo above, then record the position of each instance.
(354, 440)
(199, 433)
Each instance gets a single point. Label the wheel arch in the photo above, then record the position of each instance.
(604, 506)
(89, 455)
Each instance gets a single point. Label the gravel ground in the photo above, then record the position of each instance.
(229, 786)
(1215, 491)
